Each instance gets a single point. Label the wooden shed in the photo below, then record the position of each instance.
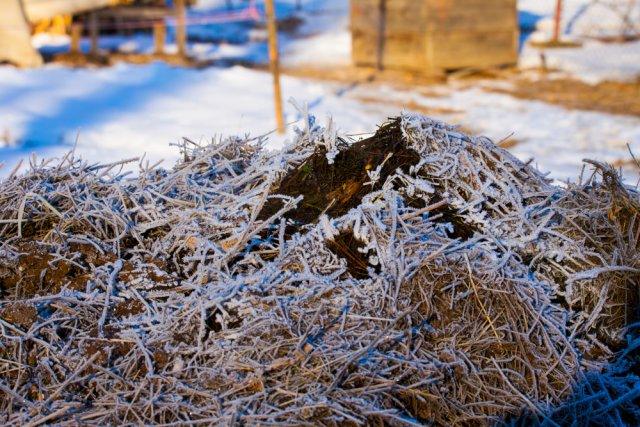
(431, 36)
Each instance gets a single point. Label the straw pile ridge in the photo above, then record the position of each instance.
(433, 279)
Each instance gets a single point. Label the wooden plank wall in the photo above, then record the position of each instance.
(404, 42)
(428, 35)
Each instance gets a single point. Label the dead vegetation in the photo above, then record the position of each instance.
(411, 105)
(82, 60)
(612, 97)
(419, 276)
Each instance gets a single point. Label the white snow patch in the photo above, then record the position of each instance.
(583, 21)
(128, 110)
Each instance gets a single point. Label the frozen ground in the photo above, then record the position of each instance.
(126, 111)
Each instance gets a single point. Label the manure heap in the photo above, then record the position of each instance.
(421, 276)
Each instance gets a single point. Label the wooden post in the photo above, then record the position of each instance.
(181, 27)
(93, 32)
(274, 62)
(159, 32)
(556, 27)
(76, 37)
(382, 10)
(543, 61)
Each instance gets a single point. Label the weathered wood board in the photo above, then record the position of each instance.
(428, 35)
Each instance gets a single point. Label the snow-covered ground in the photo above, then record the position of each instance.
(126, 110)
(556, 138)
(586, 22)
(584, 18)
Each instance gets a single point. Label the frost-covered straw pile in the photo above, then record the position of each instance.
(171, 298)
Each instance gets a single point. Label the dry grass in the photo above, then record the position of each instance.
(168, 299)
(608, 97)
(409, 105)
(81, 60)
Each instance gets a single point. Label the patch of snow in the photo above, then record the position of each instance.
(127, 110)
(321, 51)
(555, 137)
(583, 21)
(585, 18)
(322, 39)
(42, 40)
(593, 62)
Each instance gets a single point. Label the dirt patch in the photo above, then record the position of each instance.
(621, 38)
(20, 314)
(82, 60)
(360, 75)
(290, 24)
(608, 97)
(37, 271)
(410, 105)
(555, 44)
(108, 346)
(129, 307)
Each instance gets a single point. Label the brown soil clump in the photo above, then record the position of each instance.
(45, 269)
(20, 314)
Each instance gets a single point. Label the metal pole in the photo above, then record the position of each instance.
(274, 62)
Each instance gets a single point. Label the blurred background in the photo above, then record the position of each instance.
(551, 80)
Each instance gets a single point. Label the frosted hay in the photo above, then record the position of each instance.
(457, 288)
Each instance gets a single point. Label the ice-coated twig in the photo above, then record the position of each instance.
(117, 266)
